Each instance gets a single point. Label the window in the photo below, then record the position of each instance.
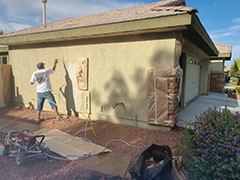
(4, 59)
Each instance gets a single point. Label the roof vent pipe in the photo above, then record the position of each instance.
(44, 12)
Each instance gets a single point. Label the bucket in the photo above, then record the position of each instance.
(2, 148)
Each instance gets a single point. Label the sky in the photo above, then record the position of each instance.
(221, 18)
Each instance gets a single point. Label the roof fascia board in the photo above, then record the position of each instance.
(4, 49)
(175, 22)
(225, 56)
(216, 60)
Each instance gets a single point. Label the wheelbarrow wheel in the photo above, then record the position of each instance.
(20, 158)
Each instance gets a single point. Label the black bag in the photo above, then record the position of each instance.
(154, 163)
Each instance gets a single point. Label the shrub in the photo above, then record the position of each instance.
(237, 89)
(212, 147)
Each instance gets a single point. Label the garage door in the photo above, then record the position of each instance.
(192, 79)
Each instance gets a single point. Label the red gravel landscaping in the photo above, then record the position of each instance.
(38, 168)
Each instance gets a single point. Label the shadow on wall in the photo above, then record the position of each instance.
(119, 97)
(68, 94)
(159, 56)
(16, 98)
(30, 105)
(154, 62)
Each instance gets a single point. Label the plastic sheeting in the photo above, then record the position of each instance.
(70, 146)
(157, 91)
(158, 95)
(178, 53)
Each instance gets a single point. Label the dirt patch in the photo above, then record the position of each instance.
(41, 169)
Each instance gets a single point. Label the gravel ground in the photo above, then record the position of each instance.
(37, 168)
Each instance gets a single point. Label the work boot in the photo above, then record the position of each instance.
(40, 120)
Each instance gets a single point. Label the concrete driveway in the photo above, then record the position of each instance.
(201, 104)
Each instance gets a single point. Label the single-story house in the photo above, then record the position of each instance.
(135, 66)
(217, 78)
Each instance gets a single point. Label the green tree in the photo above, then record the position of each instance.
(1, 32)
(235, 71)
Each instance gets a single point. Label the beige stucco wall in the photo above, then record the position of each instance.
(216, 66)
(205, 78)
(117, 73)
(2, 104)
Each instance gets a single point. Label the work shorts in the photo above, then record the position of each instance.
(41, 98)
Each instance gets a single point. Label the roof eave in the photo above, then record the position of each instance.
(159, 24)
(197, 33)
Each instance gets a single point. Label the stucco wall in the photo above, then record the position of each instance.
(216, 66)
(205, 78)
(117, 73)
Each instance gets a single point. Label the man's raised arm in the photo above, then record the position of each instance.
(55, 64)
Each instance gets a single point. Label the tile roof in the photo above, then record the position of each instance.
(153, 10)
(222, 48)
(175, 8)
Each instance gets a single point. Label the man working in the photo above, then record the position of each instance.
(44, 89)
